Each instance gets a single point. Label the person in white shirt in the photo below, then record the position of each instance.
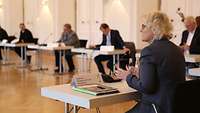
(191, 36)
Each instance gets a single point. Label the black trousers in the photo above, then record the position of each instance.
(98, 60)
(68, 57)
(18, 51)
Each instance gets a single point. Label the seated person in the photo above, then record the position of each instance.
(161, 67)
(25, 37)
(110, 37)
(3, 35)
(198, 20)
(191, 36)
(69, 38)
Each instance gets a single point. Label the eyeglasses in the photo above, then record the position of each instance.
(143, 26)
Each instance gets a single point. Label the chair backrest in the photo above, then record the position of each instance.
(130, 46)
(83, 43)
(187, 97)
(35, 40)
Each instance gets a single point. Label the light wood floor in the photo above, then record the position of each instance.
(20, 90)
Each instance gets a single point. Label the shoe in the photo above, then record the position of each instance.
(58, 70)
(28, 59)
(109, 79)
(71, 70)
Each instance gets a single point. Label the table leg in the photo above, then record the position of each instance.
(25, 54)
(85, 63)
(113, 63)
(60, 60)
(89, 63)
(98, 110)
(118, 60)
(66, 108)
(64, 62)
(39, 60)
(75, 109)
(5, 55)
(22, 60)
(82, 60)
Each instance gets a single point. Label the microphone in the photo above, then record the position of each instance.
(45, 40)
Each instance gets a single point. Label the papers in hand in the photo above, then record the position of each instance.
(15, 41)
(107, 48)
(90, 84)
(4, 41)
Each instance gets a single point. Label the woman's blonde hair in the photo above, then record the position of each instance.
(160, 25)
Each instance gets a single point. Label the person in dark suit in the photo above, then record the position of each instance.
(69, 38)
(198, 20)
(25, 37)
(3, 35)
(110, 37)
(161, 67)
(191, 37)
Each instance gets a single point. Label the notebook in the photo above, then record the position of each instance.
(90, 84)
(96, 90)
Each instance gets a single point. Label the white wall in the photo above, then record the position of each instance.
(89, 18)
(126, 16)
(46, 18)
(11, 15)
(144, 7)
(117, 15)
(123, 15)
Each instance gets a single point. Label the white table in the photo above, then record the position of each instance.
(193, 58)
(23, 50)
(64, 93)
(49, 48)
(194, 72)
(92, 53)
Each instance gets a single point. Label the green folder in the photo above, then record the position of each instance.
(96, 90)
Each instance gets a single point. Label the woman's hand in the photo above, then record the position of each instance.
(122, 74)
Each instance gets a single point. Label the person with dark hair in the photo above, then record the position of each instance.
(110, 37)
(198, 20)
(25, 37)
(69, 38)
(3, 35)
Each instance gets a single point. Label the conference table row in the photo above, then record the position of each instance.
(85, 53)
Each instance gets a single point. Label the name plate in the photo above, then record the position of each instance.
(85, 79)
(107, 48)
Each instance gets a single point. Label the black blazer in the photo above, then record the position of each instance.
(195, 44)
(26, 36)
(3, 34)
(116, 40)
(162, 66)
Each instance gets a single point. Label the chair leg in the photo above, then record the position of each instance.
(154, 107)
(98, 110)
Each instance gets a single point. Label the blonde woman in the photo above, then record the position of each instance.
(161, 67)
